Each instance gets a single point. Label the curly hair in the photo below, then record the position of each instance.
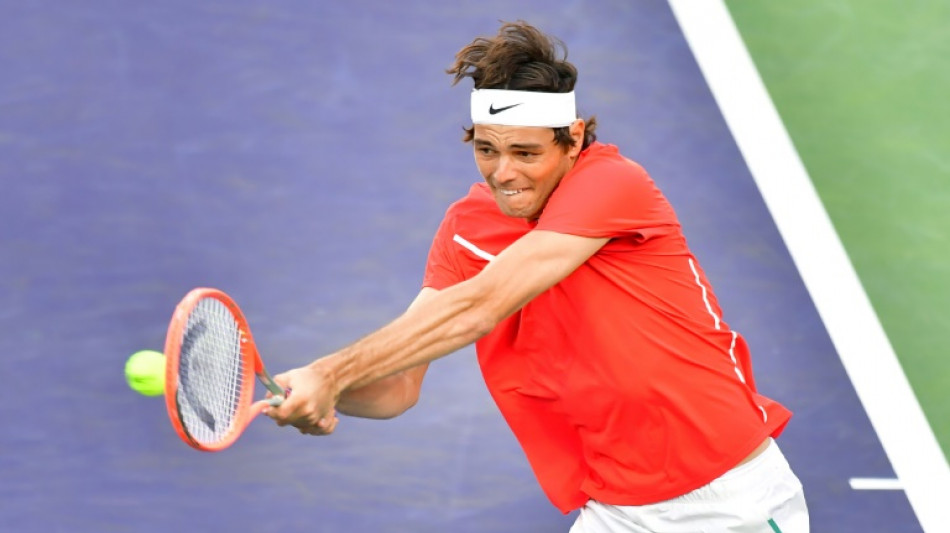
(520, 58)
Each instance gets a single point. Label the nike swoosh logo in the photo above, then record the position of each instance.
(493, 111)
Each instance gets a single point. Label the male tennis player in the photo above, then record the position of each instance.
(597, 332)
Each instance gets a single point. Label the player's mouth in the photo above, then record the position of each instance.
(511, 192)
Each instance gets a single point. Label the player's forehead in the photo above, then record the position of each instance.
(499, 137)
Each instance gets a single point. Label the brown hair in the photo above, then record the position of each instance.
(521, 58)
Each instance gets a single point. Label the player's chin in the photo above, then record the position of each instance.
(516, 207)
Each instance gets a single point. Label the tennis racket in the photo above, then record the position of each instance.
(211, 361)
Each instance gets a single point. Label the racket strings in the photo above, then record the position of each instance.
(210, 372)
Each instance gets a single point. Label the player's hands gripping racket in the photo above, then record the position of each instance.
(210, 369)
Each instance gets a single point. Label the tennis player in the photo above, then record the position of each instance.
(597, 332)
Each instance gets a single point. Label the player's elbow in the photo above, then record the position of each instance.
(408, 396)
(409, 400)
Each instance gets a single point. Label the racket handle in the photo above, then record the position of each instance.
(279, 393)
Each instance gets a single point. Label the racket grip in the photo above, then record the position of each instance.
(279, 394)
(278, 399)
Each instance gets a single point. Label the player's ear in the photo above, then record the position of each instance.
(577, 129)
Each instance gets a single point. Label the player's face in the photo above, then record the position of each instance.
(523, 165)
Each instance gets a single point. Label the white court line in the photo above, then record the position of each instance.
(873, 483)
(855, 330)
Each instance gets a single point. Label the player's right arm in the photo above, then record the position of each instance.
(392, 395)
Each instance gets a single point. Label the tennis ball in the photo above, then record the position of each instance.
(145, 372)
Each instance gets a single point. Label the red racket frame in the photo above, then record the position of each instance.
(251, 366)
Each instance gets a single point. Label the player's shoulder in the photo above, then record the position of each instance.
(602, 167)
(478, 200)
(606, 160)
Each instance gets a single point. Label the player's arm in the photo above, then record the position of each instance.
(435, 326)
(392, 395)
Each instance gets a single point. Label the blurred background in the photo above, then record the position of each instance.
(300, 155)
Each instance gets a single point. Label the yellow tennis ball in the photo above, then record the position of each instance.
(145, 372)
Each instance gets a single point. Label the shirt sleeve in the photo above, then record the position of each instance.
(441, 267)
(608, 198)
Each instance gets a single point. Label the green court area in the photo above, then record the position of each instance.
(862, 87)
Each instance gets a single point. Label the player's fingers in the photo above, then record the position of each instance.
(328, 421)
(282, 413)
(260, 406)
(285, 411)
(310, 421)
(320, 429)
(313, 425)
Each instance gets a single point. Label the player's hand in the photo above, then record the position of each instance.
(311, 406)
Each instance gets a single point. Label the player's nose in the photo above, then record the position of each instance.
(505, 172)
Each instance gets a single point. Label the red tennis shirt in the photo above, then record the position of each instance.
(622, 383)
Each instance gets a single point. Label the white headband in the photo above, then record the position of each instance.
(523, 108)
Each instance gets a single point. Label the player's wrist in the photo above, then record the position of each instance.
(328, 373)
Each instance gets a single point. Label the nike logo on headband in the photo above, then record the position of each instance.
(493, 111)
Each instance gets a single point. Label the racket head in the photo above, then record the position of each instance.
(210, 370)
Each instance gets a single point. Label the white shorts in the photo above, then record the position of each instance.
(761, 496)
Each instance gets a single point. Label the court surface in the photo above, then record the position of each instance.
(299, 155)
(859, 88)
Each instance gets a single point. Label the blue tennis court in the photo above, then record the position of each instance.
(300, 155)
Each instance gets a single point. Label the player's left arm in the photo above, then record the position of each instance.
(436, 326)
(392, 395)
